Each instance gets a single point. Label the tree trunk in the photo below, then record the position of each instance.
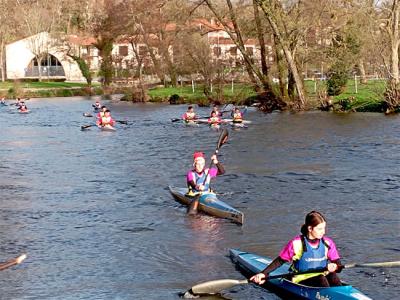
(263, 52)
(39, 61)
(395, 41)
(282, 70)
(363, 79)
(2, 61)
(238, 40)
(300, 102)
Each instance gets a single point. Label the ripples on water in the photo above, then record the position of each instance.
(93, 212)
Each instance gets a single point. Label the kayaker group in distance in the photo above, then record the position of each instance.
(215, 118)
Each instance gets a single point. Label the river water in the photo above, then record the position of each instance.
(92, 210)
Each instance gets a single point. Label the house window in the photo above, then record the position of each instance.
(217, 51)
(233, 51)
(123, 51)
(249, 51)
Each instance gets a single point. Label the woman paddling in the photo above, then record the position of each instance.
(189, 115)
(106, 120)
(198, 179)
(309, 251)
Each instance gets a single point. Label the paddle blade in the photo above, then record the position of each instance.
(83, 127)
(387, 264)
(194, 205)
(223, 138)
(215, 286)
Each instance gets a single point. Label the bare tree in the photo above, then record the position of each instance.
(39, 19)
(391, 27)
(7, 30)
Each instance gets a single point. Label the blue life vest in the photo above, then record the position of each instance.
(199, 179)
(312, 258)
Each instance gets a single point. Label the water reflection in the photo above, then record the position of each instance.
(92, 211)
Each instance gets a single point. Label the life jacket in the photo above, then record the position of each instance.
(214, 120)
(190, 116)
(199, 179)
(101, 114)
(237, 117)
(308, 258)
(106, 121)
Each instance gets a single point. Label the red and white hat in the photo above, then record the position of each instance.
(198, 155)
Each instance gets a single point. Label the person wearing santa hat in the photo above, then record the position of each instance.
(198, 179)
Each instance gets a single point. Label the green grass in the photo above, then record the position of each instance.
(41, 85)
(240, 93)
(372, 90)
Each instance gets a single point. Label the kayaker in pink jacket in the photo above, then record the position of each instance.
(198, 179)
(307, 252)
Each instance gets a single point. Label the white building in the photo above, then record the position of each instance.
(21, 62)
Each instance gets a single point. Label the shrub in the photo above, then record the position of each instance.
(337, 79)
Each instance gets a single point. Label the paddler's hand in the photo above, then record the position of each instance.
(259, 278)
(214, 159)
(200, 187)
(332, 267)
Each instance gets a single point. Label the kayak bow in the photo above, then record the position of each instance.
(209, 204)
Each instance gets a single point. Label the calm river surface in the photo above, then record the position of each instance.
(93, 212)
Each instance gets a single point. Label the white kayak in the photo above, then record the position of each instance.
(107, 128)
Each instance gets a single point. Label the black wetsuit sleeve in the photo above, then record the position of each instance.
(191, 184)
(275, 264)
(221, 169)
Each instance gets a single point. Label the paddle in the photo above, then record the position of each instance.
(223, 138)
(122, 122)
(12, 262)
(215, 286)
(83, 127)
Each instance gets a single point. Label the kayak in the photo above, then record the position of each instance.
(252, 264)
(224, 121)
(24, 111)
(107, 128)
(209, 204)
(190, 123)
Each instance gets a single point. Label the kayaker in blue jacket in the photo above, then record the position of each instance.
(309, 251)
(198, 179)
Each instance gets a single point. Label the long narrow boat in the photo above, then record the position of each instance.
(107, 128)
(252, 264)
(209, 204)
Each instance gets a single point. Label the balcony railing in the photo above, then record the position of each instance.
(45, 71)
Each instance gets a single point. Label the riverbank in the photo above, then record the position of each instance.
(355, 97)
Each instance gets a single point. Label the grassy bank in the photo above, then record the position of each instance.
(188, 94)
(360, 97)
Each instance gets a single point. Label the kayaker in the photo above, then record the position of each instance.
(18, 103)
(97, 105)
(308, 251)
(189, 115)
(22, 107)
(196, 178)
(106, 120)
(216, 110)
(214, 119)
(237, 116)
(101, 112)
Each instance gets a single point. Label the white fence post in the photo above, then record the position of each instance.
(192, 86)
(355, 83)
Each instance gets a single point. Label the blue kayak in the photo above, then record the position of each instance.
(252, 264)
(209, 204)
